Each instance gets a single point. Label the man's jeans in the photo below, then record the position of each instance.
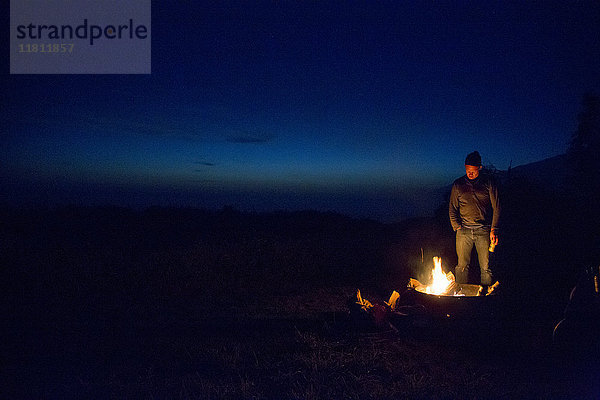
(465, 239)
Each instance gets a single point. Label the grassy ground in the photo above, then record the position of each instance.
(301, 346)
(130, 310)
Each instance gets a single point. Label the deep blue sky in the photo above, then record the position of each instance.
(355, 106)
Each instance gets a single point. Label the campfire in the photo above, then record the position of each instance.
(444, 284)
(442, 296)
(440, 283)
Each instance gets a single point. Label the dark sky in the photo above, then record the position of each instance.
(361, 107)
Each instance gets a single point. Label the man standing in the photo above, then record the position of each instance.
(474, 213)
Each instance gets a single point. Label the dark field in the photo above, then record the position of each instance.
(186, 304)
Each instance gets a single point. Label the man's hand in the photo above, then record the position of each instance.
(493, 237)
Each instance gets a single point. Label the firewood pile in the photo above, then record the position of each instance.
(385, 313)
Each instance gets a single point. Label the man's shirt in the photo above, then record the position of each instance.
(474, 203)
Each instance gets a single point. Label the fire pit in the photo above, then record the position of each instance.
(459, 290)
(444, 296)
(423, 304)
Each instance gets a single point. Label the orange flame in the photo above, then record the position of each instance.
(440, 281)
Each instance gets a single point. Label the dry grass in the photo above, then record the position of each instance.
(299, 348)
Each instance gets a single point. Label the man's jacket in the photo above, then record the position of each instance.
(474, 203)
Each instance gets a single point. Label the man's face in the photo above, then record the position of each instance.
(472, 171)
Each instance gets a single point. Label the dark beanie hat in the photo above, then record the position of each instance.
(473, 159)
